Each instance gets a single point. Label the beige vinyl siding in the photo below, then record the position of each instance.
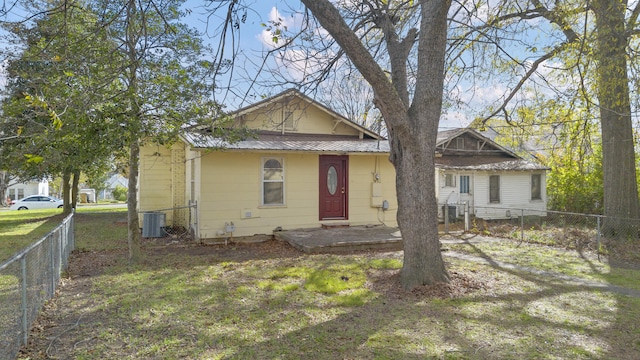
(154, 184)
(306, 118)
(231, 187)
(362, 169)
(179, 190)
(162, 184)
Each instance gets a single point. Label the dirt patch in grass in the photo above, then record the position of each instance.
(624, 254)
(462, 283)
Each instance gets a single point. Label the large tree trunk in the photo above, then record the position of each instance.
(66, 192)
(132, 204)
(413, 155)
(75, 188)
(618, 163)
(418, 214)
(413, 128)
(4, 185)
(134, 236)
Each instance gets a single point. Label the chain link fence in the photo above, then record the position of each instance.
(569, 230)
(27, 281)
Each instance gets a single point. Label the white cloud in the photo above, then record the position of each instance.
(295, 62)
(481, 95)
(454, 119)
(276, 21)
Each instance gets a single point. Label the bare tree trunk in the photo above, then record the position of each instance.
(4, 184)
(414, 156)
(134, 236)
(74, 189)
(418, 216)
(132, 204)
(618, 163)
(66, 192)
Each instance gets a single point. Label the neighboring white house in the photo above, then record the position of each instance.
(87, 195)
(110, 185)
(18, 190)
(491, 179)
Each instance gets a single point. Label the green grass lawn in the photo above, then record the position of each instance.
(19, 229)
(268, 301)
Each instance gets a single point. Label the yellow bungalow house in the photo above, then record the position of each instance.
(307, 167)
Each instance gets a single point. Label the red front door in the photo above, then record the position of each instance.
(333, 187)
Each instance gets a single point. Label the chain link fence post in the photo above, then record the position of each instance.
(521, 225)
(466, 216)
(446, 218)
(598, 235)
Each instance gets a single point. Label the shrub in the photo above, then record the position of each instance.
(119, 193)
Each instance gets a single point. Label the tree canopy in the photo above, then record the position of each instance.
(93, 80)
(55, 98)
(585, 60)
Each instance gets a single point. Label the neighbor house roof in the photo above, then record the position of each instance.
(479, 163)
(446, 136)
(491, 156)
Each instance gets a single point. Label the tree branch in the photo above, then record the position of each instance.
(634, 17)
(329, 17)
(530, 72)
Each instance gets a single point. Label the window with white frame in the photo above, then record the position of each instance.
(536, 187)
(464, 184)
(494, 189)
(272, 181)
(449, 180)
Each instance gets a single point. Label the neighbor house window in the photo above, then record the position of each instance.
(464, 184)
(460, 143)
(449, 180)
(494, 189)
(20, 194)
(536, 187)
(272, 181)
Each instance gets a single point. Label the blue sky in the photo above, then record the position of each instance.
(254, 41)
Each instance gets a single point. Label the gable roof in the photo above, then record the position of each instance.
(291, 93)
(488, 155)
(363, 140)
(446, 137)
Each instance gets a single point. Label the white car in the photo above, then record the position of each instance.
(36, 202)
